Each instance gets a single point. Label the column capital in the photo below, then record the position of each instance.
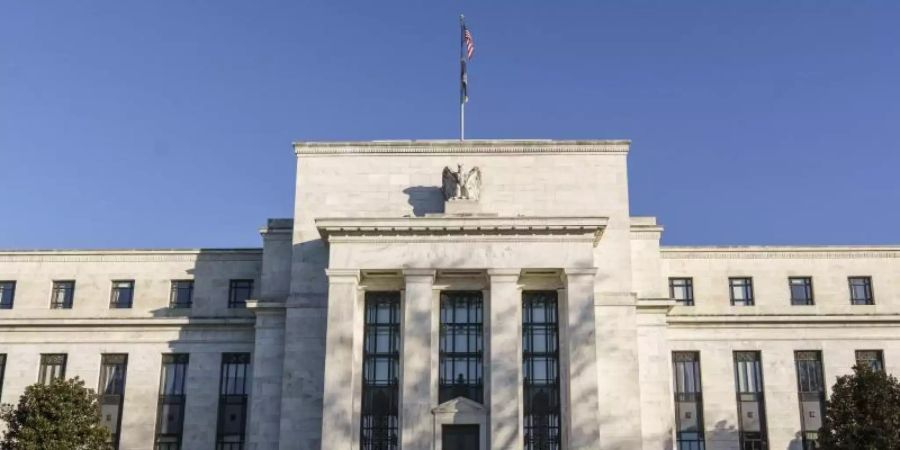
(510, 275)
(419, 275)
(342, 275)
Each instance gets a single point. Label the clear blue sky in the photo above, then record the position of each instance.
(168, 123)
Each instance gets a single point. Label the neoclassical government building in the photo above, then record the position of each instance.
(446, 295)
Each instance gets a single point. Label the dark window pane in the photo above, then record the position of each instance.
(53, 367)
(751, 400)
(874, 359)
(689, 431)
(460, 346)
(122, 294)
(801, 290)
(62, 295)
(170, 412)
(682, 290)
(741, 291)
(239, 291)
(113, 368)
(233, 401)
(182, 295)
(861, 291)
(380, 415)
(7, 294)
(811, 390)
(540, 370)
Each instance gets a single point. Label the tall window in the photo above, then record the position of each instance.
(182, 295)
(540, 366)
(7, 294)
(379, 427)
(682, 290)
(2, 371)
(861, 291)
(53, 366)
(688, 401)
(801, 290)
(170, 411)
(811, 389)
(461, 343)
(112, 393)
(62, 295)
(748, 379)
(239, 291)
(230, 434)
(122, 294)
(872, 358)
(741, 291)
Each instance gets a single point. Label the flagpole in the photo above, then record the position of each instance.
(462, 62)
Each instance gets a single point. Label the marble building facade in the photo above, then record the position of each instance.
(445, 295)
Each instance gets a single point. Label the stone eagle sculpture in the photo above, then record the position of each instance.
(460, 185)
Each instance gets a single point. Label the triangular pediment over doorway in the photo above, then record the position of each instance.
(459, 405)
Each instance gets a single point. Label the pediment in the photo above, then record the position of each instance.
(459, 405)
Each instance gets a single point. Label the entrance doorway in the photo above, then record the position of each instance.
(459, 437)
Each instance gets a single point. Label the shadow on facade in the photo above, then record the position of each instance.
(425, 199)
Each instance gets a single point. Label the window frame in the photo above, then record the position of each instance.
(750, 300)
(448, 333)
(688, 286)
(7, 285)
(59, 286)
(541, 431)
(46, 365)
(805, 395)
(695, 396)
(113, 359)
(379, 425)
(807, 285)
(880, 358)
(176, 398)
(229, 397)
(114, 298)
(233, 287)
(868, 286)
(174, 291)
(758, 395)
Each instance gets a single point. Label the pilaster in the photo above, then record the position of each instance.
(581, 368)
(415, 380)
(505, 365)
(337, 420)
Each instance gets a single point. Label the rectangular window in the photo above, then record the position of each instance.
(461, 343)
(170, 410)
(748, 378)
(62, 295)
(2, 371)
(741, 291)
(801, 290)
(682, 290)
(872, 358)
(861, 291)
(231, 434)
(688, 401)
(7, 294)
(380, 415)
(182, 295)
(540, 366)
(112, 393)
(122, 294)
(239, 291)
(811, 390)
(53, 366)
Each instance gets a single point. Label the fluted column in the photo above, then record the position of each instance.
(415, 397)
(337, 415)
(581, 345)
(505, 363)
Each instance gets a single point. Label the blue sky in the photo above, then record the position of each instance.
(168, 123)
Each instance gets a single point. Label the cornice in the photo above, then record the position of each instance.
(432, 147)
(774, 252)
(726, 320)
(50, 256)
(114, 323)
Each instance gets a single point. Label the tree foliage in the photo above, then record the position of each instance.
(63, 415)
(863, 412)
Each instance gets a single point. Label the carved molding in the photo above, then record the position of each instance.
(848, 252)
(49, 256)
(461, 147)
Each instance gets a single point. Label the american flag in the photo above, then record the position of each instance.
(470, 43)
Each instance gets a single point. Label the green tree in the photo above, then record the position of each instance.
(63, 415)
(863, 412)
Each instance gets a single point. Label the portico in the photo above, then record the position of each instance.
(423, 257)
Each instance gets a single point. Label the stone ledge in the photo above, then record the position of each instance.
(430, 147)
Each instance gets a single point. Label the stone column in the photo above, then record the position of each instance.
(581, 345)
(505, 364)
(415, 382)
(337, 414)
